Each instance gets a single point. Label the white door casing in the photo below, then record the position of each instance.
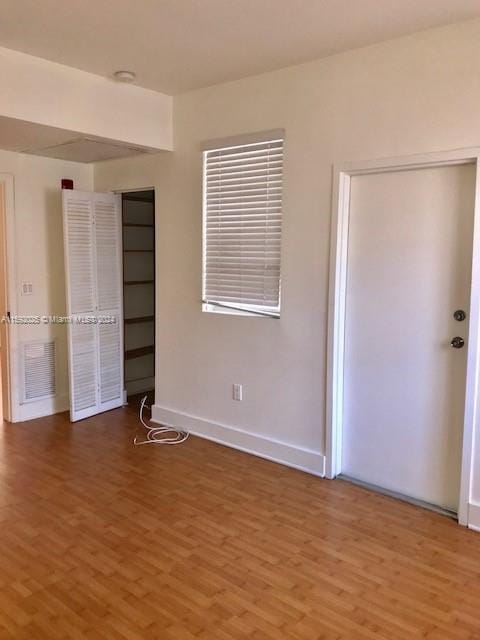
(11, 356)
(337, 300)
(93, 275)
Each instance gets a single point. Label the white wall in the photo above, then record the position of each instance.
(52, 94)
(415, 94)
(39, 258)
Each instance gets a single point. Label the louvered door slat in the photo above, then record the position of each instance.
(80, 284)
(110, 355)
(80, 246)
(107, 253)
(83, 369)
(109, 287)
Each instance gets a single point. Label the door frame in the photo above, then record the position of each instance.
(342, 176)
(10, 404)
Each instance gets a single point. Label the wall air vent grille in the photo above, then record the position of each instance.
(38, 370)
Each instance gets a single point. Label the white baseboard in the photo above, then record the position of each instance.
(46, 407)
(474, 516)
(269, 448)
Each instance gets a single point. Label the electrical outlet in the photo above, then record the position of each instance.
(237, 392)
(27, 288)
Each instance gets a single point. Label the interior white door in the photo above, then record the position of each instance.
(409, 270)
(93, 275)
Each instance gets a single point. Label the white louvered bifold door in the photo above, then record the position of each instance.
(243, 226)
(93, 272)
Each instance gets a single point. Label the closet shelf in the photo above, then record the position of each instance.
(138, 379)
(138, 251)
(129, 282)
(138, 224)
(132, 197)
(139, 319)
(138, 353)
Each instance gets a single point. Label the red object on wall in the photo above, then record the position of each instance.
(67, 183)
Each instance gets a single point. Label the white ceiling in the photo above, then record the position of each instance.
(177, 45)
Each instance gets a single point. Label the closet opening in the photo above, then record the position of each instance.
(138, 227)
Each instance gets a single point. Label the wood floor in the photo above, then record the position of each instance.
(102, 540)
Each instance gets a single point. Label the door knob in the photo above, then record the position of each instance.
(457, 342)
(460, 315)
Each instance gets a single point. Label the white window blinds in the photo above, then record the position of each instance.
(243, 227)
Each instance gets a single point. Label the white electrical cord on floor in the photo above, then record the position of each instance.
(158, 435)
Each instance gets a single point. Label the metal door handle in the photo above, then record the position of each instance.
(457, 342)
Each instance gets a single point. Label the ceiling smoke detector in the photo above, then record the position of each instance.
(124, 76)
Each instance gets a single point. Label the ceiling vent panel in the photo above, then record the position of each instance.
(86, 150)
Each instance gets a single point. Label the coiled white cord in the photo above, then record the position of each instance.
(157, 435)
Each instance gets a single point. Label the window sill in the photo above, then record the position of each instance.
(224, 311)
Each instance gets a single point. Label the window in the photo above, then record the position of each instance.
(242, 218)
